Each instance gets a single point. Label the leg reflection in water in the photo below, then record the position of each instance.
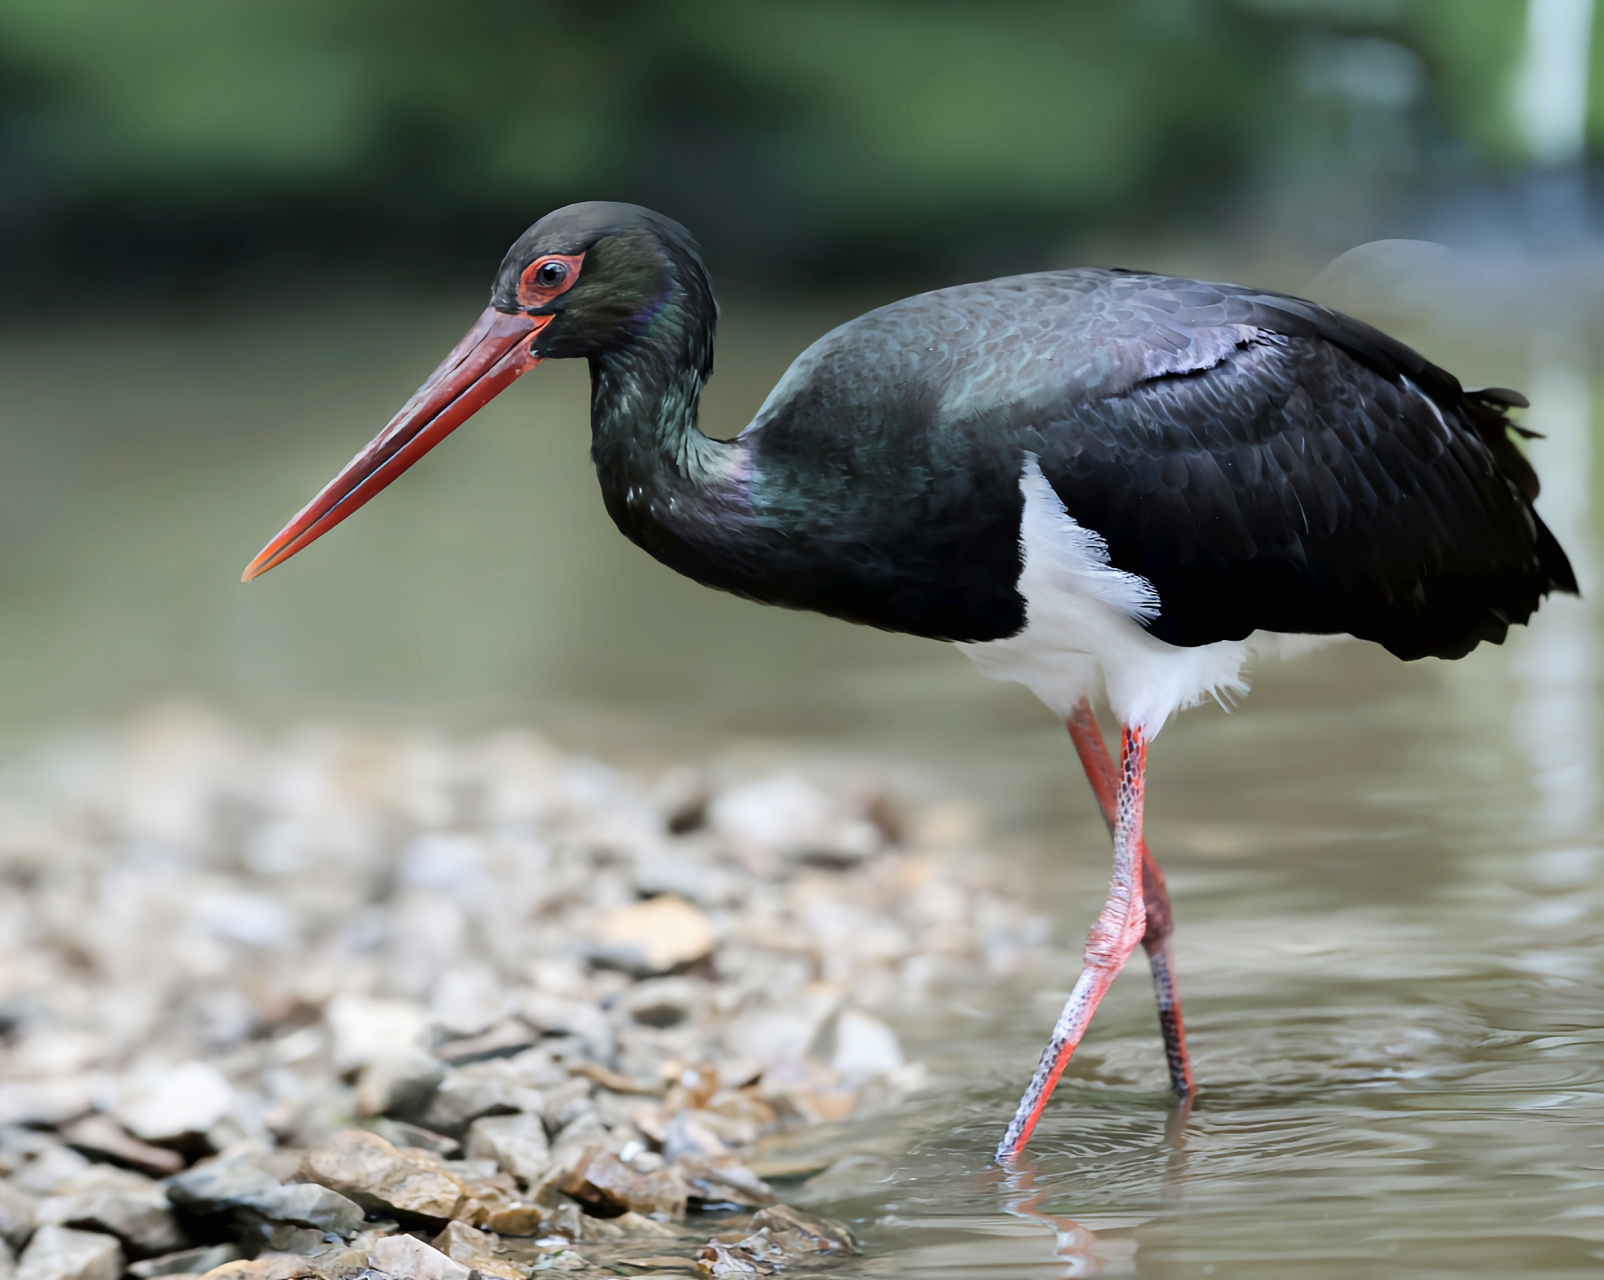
(1074, 1245)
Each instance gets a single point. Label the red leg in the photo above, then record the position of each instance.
(1109, 944)
(1099, 766)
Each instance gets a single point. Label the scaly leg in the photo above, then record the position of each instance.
(1109, 944)
(1099, 766)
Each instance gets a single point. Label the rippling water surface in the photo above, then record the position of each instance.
(1389, 879)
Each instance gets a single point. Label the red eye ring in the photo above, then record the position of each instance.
(548, 277)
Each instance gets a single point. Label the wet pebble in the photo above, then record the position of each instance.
(600, 1180)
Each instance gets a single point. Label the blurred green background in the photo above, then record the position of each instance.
(168, 142)
(235, 233)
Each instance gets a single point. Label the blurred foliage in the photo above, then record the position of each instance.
(789, 133)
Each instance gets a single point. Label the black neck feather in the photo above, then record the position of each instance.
(671, 489)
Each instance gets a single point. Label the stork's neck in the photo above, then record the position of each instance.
(643, 413)
(670, 488)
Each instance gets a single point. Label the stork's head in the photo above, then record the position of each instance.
(595, 280)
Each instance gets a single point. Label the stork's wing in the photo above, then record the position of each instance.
(1316, 476)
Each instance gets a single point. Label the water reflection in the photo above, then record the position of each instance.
(1024, 1195)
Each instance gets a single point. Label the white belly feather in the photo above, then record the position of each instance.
(1083, 628)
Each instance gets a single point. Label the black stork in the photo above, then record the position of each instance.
(1088, 480)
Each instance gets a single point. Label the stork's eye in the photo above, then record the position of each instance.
(546, 277)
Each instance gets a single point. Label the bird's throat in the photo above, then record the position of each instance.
(671, 489)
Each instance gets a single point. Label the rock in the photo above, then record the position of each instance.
(220, 1186)
(168, 1103)
(266, 1266)
(808, 1091)
(505, 1216)
(768, 1036)
(788, 815)
(410, 1184)
(48, 1102)
(480, 1089)
(52, 1169)
(410, 1258)
(634, 1225)
(654, 937)
(689, 1133)
(566, 1103)
(565, 1260)
(792, 818)
(17, 1215)
(616, 1081)
(585, 1130)
(398, 1133)
(516, 1143)
(716, 1258)
(119, 1203)
(256, 1236)
(671, 870)
(101, 1136)
(507, 1037)
(802, 1234)
(186, 1262)
(61, 1253)
(605, 1183)
(398, 1084)
(780, 1237)
(365, 1031)
(352, 1261)
(865, 1048)
(558, 1015)
(477, 1251)
(661, 1002)
(496, 1204)
(468, 1001)
(723, 1182)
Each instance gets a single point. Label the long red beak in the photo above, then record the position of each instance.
(488, 359)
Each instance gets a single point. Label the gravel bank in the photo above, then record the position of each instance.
(349, 1002)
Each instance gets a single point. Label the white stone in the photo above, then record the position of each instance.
(786, 814)
(409, 1257)
(50, 1102)
(516, 1143)
(60, 1253)
(768, 1036)
(367, 1030)
(160, 1103)
(864, 1046)
(468, 999)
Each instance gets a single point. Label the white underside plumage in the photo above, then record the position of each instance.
(1083, 632)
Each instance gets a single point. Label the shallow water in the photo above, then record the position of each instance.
(1392, 982)
(1389, 879)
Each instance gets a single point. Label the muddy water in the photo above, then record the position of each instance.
(1389, 879)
